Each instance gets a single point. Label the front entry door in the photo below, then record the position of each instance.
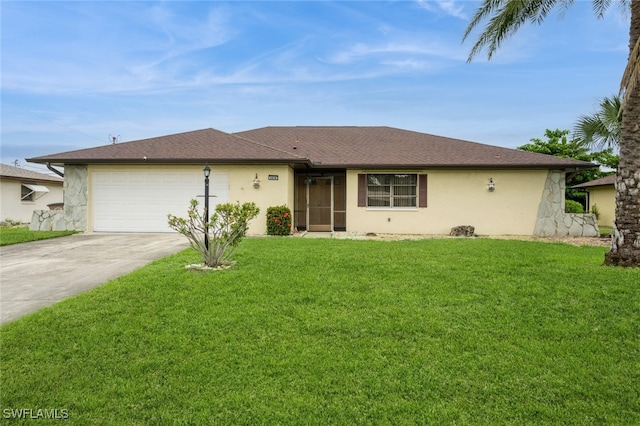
(320, 204)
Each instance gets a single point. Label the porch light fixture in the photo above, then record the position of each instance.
(491, 185)
(256, 182)
(207, 172)
(309, 181)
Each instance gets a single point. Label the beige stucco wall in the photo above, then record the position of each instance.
(457, 197)
(12, 208)
(241, 177)
(605, 198)
(270, 193)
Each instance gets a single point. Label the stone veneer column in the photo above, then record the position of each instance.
(552, 221)
(75, 197)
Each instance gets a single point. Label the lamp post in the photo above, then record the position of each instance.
(207, 172)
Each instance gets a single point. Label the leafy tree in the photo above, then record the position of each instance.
(217, 239)
(504, 18)
(558, 144)
(606, 158)
(602, 129)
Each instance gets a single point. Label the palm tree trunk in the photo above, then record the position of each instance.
(625, 244)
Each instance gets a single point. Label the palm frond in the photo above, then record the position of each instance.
(602, 129)
(600, 7)
(505, 17)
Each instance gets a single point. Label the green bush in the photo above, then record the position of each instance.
(278, 220)
(571, 206)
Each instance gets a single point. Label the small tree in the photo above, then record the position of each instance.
(226, 227)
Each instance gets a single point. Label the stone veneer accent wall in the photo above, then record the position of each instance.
(74, 215)
(75, 197)
(48, 220)
(553, 221)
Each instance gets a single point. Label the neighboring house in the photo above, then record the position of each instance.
(602, 193)
(355, 179)
(23, 191)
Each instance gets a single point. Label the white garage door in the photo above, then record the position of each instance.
(139, 201)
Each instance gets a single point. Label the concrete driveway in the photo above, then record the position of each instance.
(38, 274)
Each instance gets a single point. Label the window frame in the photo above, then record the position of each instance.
(395, 195)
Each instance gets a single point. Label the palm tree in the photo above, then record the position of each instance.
(602, 129)
(504, 18)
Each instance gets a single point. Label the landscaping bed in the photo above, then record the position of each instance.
(576, 241)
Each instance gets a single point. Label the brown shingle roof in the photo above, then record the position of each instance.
(17, 173)
(607, 180)
(318, 146)
(392, 147)
(196, 146)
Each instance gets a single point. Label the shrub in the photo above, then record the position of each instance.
(278, 220)
(227, 225)
(571, 206)
(596, 211)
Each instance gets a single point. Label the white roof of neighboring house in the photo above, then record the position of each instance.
(17, 173)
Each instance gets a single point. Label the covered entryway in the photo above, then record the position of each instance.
(320, 202)
(140, 200)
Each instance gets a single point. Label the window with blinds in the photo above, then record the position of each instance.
(392, 190)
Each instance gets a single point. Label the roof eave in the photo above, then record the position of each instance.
(315, 165)
(566, 167)
(31, 179)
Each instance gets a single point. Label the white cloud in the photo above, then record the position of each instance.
(361, 51)
(100, 50)
(408, 64)
(449, 7)
(185, 34)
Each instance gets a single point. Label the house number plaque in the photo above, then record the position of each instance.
(273, 177)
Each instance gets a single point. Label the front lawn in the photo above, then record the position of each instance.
(21, 234)
(314, 331)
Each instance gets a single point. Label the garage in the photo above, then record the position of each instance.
(139, 200)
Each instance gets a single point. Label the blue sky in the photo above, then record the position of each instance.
(74, 73)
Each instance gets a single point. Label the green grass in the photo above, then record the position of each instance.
(605, 231)
(313, 331)
(21, 234)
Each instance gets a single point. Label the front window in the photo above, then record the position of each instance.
(390, 190)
